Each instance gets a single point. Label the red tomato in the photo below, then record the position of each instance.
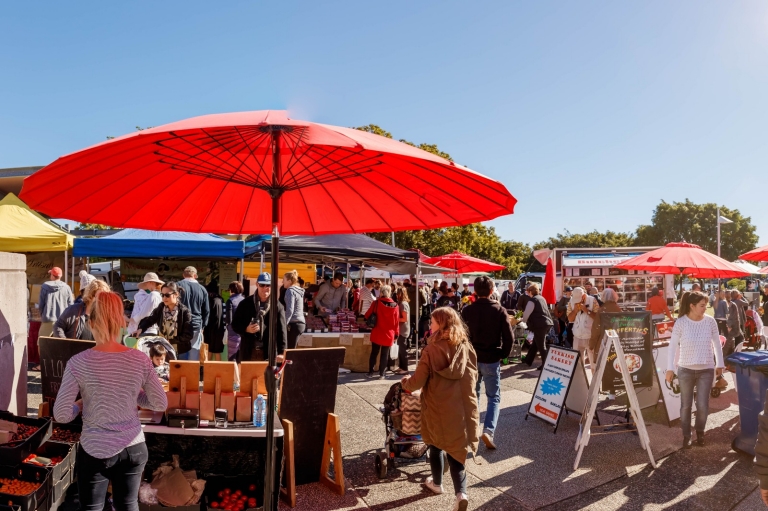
(251, 502)
(237, 492)
(215, 505)
(227, 491)
(252, 487)
(221, 494)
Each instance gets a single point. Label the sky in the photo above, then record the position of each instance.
(590, 113)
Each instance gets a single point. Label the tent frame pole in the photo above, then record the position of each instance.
(416, 305)
(66, 257)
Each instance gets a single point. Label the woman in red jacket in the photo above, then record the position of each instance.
(384, 332)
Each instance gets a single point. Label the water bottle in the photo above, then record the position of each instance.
(259, 411)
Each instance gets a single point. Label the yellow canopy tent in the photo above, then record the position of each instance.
(24, 230)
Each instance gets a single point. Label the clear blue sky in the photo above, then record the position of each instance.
(589, 112)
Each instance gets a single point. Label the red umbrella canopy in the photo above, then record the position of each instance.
(764, 270)
(463, 263)
(758, 254)
(548, 291)
(686, 259)
(219, 173)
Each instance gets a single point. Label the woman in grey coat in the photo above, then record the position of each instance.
(294, 307)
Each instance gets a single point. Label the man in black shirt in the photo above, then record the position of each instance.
(510, 297)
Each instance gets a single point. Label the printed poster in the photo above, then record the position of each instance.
(552, 387)
(634, 331)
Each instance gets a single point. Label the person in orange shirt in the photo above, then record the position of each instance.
(657, 305)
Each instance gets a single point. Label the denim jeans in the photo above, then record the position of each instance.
(458, 474)
(192, 354)
(124, 470)
(491, 375)
(702, 380)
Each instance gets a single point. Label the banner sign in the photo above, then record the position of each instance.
(664, 329)
(634, 331)
(224, 272)
(38, 264)
(553, 385)
(54, 355)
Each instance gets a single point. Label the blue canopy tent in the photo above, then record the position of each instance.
(141, 244)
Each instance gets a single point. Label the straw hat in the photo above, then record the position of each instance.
(150, 277)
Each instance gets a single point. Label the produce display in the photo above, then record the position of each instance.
(65, 435)
(17, 486)
(12, 432)
(236, 500)
(343, 321)
(40, 461)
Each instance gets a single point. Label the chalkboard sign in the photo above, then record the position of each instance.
(54, 355)
(307, 396)
(634, 331)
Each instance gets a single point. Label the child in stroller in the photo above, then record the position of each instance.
(401, 414)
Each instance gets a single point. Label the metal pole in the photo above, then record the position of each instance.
(66, 255)
(270, 374)
(261, 263)
(417, 315)
(242, 269)
(73, 272)
(393, 238)
(718, 232)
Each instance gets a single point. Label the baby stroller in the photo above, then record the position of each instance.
(401, 414)
(753, 338)
(145, 343)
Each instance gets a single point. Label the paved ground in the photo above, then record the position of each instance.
(532, 468)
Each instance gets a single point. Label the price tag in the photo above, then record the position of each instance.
(345, 339)
(366, 338)
(304, 340)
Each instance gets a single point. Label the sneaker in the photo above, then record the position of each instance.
(437, 489)
(382, 377)
(371, 375)
(461, 502)
(487, 439)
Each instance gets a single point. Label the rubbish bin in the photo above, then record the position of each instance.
(751, 384)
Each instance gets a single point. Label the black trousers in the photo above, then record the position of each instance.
(402, 352)
(294, 331)
(124, 470)
(380, 353)
(458, 474)
(539, 345)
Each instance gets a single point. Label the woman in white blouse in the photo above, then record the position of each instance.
(696, 351)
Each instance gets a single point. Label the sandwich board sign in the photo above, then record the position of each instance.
(549, 397)
(611, 339)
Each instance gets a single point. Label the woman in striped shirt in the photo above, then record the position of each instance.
(112, 380)
(696, 341)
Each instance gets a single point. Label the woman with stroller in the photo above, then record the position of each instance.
(447, 372)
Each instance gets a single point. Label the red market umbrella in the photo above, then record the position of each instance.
(683, 259)
(757, 254)
(459, 262)
(764, 270)
(257, 172)
(548, 289)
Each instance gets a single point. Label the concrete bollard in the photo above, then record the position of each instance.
(13, 333)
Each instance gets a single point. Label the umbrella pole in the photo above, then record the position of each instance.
(271, 374)
(416, 305)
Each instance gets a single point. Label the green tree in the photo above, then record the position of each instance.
(591, 239)
(697, 223)
(430, 148)
(93, 227)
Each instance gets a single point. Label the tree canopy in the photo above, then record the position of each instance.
(697, 223)
(590, 239)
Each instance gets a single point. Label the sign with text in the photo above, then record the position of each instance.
(54, 355)
(224, 272)
(553, 385)
(634, 332)
(670, 392)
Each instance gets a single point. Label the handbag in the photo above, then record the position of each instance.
(394, 351)
(373, 318)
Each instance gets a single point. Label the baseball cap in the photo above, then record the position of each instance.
(264, 278)
(568, 289)
(56, 271)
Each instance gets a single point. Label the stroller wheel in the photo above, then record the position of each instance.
(381, 464)
(715, 392)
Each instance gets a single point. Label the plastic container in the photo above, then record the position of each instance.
(32, 501)
(218, 483)
(57, 449)
(751, 371)
(15, 455)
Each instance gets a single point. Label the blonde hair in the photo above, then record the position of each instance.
(292, 276)
(94, 288)
(451, 327)
(386, 291)
(107, 317)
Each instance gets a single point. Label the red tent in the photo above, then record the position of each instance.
(683, 259)
(757, 254)
(462, 263)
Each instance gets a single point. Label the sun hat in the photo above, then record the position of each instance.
(150, 277)
(85, 279)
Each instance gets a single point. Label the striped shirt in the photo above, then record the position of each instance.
(111, 384)
(698, 343)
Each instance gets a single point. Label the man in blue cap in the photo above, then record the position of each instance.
(252, 319)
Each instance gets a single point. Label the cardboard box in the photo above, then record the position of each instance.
(228, 403)
(207, 406)
(243, 408)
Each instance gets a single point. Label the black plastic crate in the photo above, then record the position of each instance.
(217, 483)
(33, 501)
(14, 455)
(72, 427)
(56, 449)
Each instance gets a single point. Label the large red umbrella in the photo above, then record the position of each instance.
(548, 288)
(683, 259)
(459, 262)
(257, 172)
(757, 254)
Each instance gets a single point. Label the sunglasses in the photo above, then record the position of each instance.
(167, 295)
(265, 285)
